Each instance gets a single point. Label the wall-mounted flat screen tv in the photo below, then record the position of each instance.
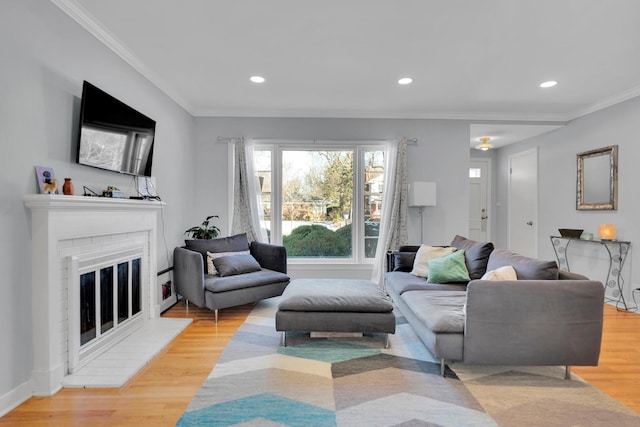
(114, 136)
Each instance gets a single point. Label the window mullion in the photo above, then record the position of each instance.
(358, 205)
(276, 195)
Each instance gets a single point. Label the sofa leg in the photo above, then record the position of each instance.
(386, 341)
(442, 366)
(215, 315)
(567, 372)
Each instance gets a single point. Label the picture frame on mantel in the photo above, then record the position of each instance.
(47, 182)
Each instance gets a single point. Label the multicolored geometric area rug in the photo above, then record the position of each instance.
(328, 382)
(356, 382)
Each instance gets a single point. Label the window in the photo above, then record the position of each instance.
(323, 202)
(475, 173)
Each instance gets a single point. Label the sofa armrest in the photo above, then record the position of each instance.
(568, 275)
(269, 256)
(534, 322)
(188, 275)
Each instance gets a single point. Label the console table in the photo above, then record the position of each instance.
(617, 251)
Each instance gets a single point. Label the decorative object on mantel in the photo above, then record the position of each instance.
(47, 182)
(570, 232)
(67, 187)
(586, 236)
(607, 232)
(205, 230)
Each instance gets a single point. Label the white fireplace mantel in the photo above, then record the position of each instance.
(68, 226)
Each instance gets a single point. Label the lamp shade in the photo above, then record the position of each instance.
(607, 232)
(422, 194)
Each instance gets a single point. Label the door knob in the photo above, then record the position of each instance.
(529, 222)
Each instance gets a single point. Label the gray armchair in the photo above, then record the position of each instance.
(241, 277)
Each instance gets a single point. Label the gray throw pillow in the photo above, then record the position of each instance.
(476, 255)
(403, 261)
(526, 268)
(236, 264)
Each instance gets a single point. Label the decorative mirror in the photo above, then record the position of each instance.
(598, 179)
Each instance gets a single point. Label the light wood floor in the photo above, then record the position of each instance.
(159, 394)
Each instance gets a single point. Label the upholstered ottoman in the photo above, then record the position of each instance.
(335, 305)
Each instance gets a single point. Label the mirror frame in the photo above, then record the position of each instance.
(612, 203)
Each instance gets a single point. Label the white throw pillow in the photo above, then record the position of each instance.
(426, 253)
(211, 269)
(503, 273)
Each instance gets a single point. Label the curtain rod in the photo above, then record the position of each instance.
(233, 139)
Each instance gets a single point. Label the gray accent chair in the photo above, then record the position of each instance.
(241, 279)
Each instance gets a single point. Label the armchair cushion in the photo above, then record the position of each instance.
(236, 264)
(235, 243)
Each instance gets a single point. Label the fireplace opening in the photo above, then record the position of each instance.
(106, 301)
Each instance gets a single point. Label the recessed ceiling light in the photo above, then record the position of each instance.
(257, 79)
(405, 81)
(550, 83)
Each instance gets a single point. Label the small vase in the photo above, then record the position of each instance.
(67, 187)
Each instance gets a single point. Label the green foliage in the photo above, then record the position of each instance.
(205, 230)
(317, 241)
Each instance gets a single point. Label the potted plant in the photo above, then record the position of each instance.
(204, 230)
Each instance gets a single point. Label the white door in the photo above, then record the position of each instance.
(523, 203)
(479, 199)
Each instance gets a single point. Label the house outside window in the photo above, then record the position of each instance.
(323, 202)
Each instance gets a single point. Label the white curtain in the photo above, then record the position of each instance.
(247, 211)
(393, 223)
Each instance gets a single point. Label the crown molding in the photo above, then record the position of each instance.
(79, 14)
(367, 114)
(607, 102)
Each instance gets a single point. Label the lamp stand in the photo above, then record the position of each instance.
(421, 225)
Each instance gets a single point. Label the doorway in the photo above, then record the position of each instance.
(522, 216)
(479, 199)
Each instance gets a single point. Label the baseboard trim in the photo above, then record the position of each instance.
(13, 398)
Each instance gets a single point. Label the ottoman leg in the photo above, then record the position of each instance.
(284, 339)
(386, 340)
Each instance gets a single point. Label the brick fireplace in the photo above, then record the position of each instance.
(76, 242)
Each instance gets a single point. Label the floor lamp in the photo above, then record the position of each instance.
(422, 194)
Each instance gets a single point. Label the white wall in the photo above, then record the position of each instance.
(45, 56)
(557, 150)
(441, 155)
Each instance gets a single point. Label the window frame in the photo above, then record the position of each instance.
(358, 227)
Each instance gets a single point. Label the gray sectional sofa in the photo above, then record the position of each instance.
(545, 317)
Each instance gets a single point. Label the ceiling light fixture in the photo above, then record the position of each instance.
(405, 81)
(484, 143)
(257, 79)
(550, 83)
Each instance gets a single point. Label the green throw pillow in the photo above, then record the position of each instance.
(449, 268)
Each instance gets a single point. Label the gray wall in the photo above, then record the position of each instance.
(557, 150)
(45, 57)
